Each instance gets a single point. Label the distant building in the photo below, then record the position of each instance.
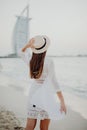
(21, 30)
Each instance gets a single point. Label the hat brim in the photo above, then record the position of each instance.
(44, 48)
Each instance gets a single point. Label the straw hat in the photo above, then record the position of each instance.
(41, 44)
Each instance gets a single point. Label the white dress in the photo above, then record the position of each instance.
(42, 99)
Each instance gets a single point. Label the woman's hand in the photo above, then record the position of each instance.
(62, 107)
(62, 103)
(29, 44)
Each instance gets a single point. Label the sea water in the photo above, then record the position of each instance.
(71, 72)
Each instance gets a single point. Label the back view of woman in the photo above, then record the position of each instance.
(42, 103)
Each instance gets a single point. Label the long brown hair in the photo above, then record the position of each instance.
(36, 65)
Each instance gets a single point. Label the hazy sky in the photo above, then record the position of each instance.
(64, 21)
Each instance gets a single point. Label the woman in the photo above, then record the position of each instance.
(42, 101)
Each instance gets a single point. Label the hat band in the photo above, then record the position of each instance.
(42, 46)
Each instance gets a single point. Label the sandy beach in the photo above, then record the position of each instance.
(13, 112)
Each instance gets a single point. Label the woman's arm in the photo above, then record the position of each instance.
(52, 75)
(24, 53)
(29, 44)
(62, 102)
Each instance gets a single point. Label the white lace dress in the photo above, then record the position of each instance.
(42, 99)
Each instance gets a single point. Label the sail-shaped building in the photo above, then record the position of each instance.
(21, 30)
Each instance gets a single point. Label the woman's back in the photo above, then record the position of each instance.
(45, 72)
(48, 70)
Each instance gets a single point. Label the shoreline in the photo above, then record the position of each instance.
(11, 120)
(13, 98)
(73, 120)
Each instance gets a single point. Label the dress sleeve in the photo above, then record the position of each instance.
(52, 75)
(25, 55)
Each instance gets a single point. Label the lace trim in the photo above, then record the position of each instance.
(37, 113)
